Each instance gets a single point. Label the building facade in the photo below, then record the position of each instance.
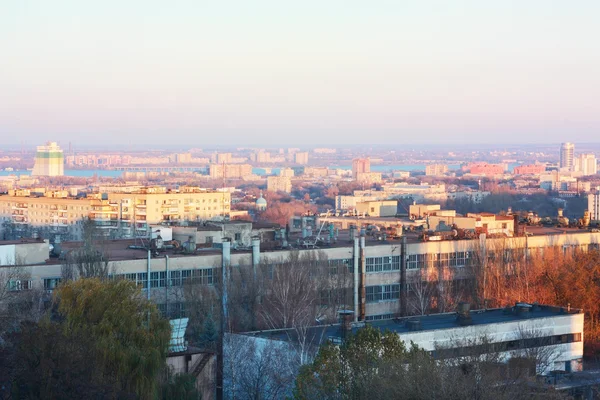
(360, 166)
(301, 158)
(279, 184)
(436, 169)
(49, 161)
(567, 156)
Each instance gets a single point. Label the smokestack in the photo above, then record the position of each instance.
(463, 314)
(346, 318)
(255, 254)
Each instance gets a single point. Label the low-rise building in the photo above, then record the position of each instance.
(384, 208)
(515, 332)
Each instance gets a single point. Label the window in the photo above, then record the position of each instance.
(337, 266)
(383, 264)
(51, 283)
(415, 261)
(383, 293)
(238, 237)
(19, 284)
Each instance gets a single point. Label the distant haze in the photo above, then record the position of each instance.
(198, 73)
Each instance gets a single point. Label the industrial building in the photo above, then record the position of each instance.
(379, 265)
(383, 208)
(49, 161)
(552, 337)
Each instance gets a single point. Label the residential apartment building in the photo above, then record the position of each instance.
(279, 184)
(533, 169)
(301, 158)
(230, 171)
(360, 166)
(49, 161)
(113, 212)
(436, 169)
(288, 172)
(369, 177)
(567, 156)
(586, 164)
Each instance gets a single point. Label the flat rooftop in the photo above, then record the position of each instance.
(428, 322)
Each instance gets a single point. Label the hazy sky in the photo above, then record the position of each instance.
(298, 72)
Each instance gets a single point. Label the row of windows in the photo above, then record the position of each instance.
(382, 264)
(510, 345)
(338, 266)
(383, 293)
(158, 279)
(379, 317)
(434, 260)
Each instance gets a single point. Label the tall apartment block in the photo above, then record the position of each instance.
(301, 158)
(567, 156)
(360, 166)
(49, 161)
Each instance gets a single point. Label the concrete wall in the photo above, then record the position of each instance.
(24, 253)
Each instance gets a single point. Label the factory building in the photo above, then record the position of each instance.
(549, 337)
(378, 267)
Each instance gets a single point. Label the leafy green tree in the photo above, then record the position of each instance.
(375, 365)
(129, 336)
(210, 333)
(181, 387)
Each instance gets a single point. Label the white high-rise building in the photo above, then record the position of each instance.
(587, 164)
(49, 161)
(567, 156)
(594, 206)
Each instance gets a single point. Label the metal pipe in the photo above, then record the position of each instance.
(363, 279)
(403, 286)
(355, 256)
(148, 275)
(225, 258)
(167, 281)
(255, 255)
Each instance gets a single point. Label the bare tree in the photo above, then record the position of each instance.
(91, 260)
(420, 292)
(257, 368)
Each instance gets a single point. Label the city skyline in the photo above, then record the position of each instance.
(342, 72)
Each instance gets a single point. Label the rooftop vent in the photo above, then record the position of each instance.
(413, 325)
(463, 314)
